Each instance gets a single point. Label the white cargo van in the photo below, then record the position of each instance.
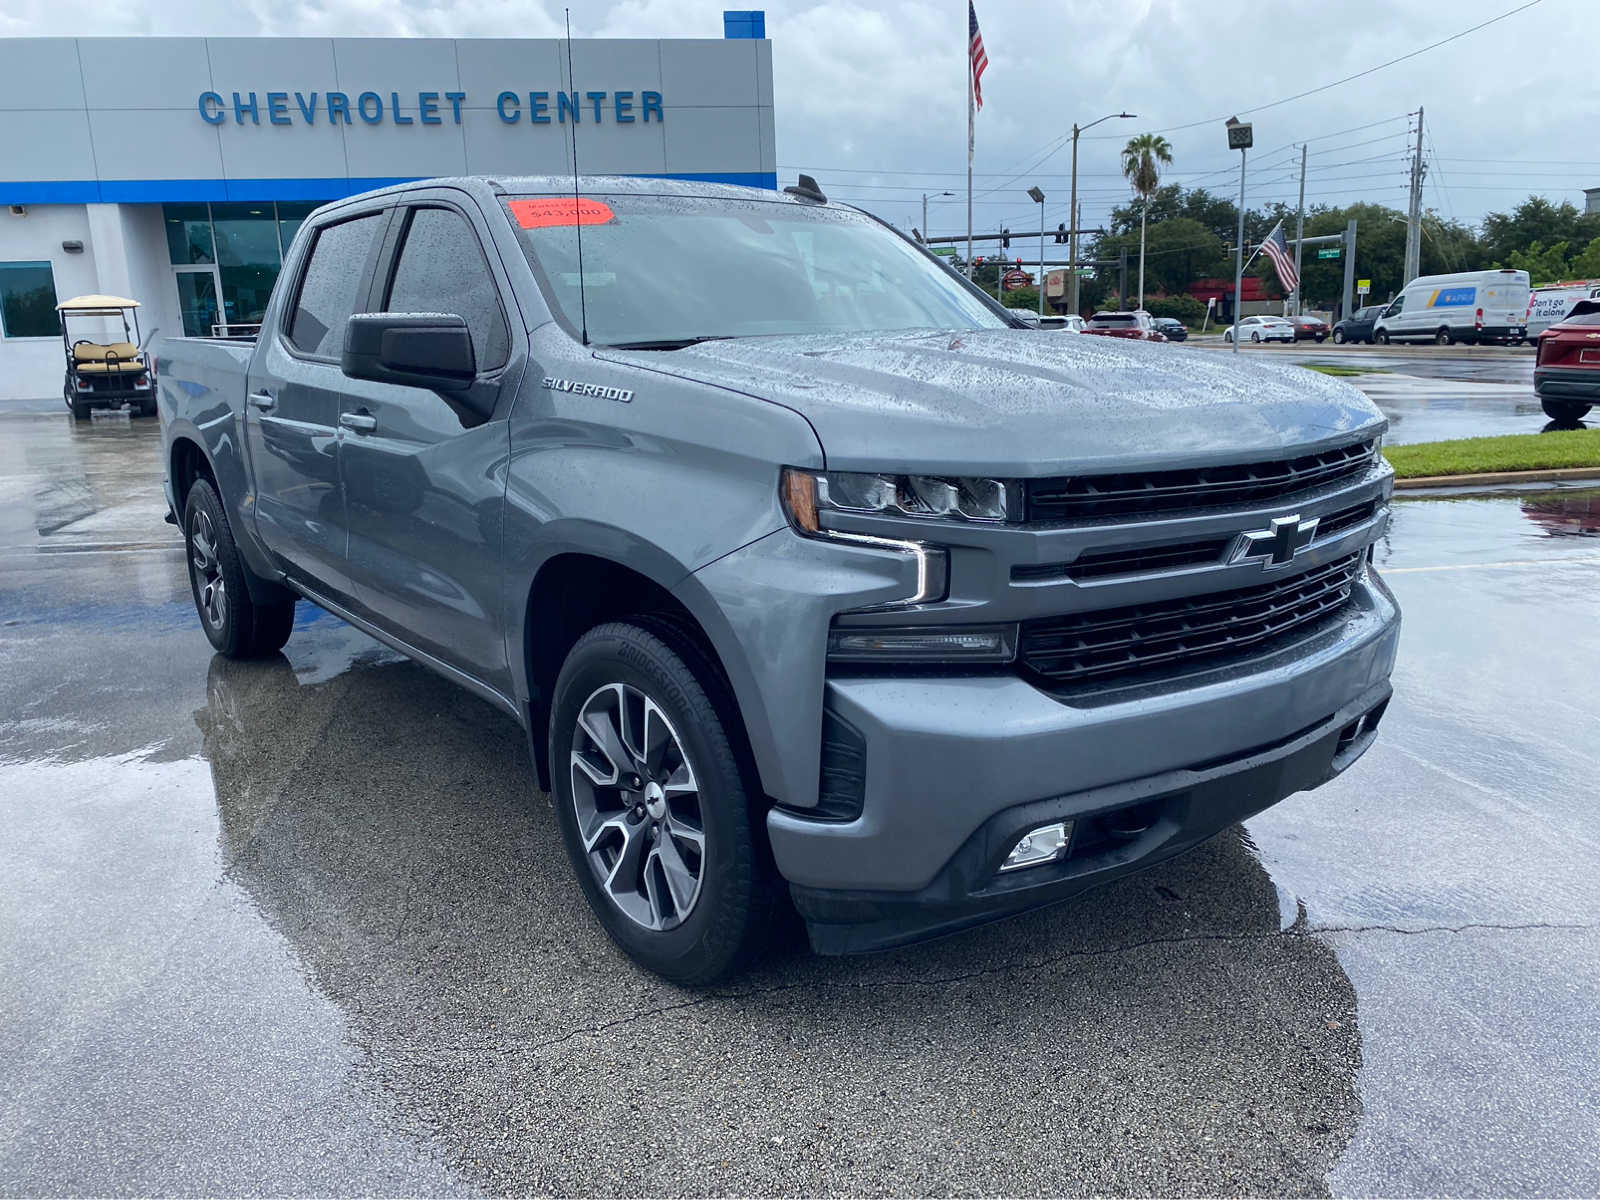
(1550, 304)
(1473, 306)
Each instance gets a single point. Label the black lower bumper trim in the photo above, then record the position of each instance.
(1554, 383)
(1118, 829)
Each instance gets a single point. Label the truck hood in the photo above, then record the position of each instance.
(1015, 402)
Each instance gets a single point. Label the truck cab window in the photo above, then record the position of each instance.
(334, 274)
(442, 269)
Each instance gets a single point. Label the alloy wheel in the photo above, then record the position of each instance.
(210, 590)
(637, 802)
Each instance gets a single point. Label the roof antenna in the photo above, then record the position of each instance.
(577, 217)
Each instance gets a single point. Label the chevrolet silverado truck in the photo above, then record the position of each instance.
(796, 558)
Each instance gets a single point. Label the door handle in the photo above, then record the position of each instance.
(359, 421)
(263, 400)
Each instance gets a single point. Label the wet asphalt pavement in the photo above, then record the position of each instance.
(1431, 393)
(302, 926)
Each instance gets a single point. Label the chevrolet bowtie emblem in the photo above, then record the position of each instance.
(1277, 545)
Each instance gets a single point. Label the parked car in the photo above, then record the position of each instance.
(1172, 329)
(1566, 364)
(1073, 323)
(838, 579)
(1358, 326)
(1470, 306)
(1260, 329)
(1136, 326)
(1309, 328)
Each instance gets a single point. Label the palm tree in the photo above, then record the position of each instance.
(1142, 160)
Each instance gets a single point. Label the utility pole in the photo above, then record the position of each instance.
(1037, 197)
(1349, 268)
(1299, 232)
(1413, 266)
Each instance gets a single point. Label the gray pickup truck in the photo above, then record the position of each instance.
(798, 559)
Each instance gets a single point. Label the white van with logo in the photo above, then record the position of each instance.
(1551, 304)
(1473, 306)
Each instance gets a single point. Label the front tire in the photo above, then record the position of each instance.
(1381, 337)
(1567, 412)
(236, 624)
(653, 806)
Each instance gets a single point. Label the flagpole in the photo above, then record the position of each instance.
(970, 136)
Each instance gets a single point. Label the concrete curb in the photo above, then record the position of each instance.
(1499, 477)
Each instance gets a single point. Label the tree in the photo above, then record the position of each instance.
(1178, 250)
(1142, 160)
(1543, 265)
(1536, 220)
(1587, 264)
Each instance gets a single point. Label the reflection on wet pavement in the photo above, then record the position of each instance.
(303, 926)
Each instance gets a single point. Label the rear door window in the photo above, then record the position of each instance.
(332, 285)
(442, 270)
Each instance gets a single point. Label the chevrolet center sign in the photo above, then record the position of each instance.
(425, 108)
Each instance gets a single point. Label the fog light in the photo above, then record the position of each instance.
(926, 643)
(1044, 844)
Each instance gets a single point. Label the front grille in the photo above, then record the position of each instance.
(1080, 497)
(1145, 560)
(1125, 644)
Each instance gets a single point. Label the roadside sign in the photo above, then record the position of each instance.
(944, 251)
(1330, 252)
(1017, 279)
(1363, 286)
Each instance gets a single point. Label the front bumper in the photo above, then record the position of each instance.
(956, 766)
(1558, 383)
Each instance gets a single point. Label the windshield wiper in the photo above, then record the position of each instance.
(669, 343)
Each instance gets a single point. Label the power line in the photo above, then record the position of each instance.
(1358, 75)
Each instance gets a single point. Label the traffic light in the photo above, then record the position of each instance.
(1005, 239)
(1061, 234)
(916, 233)
(977, 260)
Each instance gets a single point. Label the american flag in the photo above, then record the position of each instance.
(1276, 247)
(980, 60)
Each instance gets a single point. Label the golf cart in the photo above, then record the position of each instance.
(104, 374)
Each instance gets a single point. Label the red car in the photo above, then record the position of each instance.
(1137, 325)
(1309, 327)
(1566, 364)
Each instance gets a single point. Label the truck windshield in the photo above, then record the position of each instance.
(660, 272)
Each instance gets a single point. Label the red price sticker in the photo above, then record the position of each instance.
(548, 211)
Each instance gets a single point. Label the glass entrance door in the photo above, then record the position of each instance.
(197, 299)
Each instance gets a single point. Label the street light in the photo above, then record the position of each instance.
(1241, 136)
(1037, 197)
(925, 229)
(1072, 212)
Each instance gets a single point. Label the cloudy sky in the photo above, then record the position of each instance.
(871, 94)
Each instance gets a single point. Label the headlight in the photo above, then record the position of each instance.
(809, 494)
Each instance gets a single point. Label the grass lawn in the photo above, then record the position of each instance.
(1343, 372)
(1513, 452)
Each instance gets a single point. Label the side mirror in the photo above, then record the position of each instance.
(427, 350)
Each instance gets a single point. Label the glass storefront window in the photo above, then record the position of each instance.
(290, 216)
(28, 300)
(247, 253)
(188, 234)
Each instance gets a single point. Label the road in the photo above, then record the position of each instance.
(303, 926)
(1429, 393)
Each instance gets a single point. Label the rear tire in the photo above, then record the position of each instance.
(236, 624)
(1338, 337)
(1255, 337)
(1442, 336)
(1567, 412)
(650, 775)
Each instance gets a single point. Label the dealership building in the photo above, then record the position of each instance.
(175, 171)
